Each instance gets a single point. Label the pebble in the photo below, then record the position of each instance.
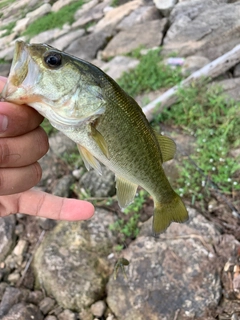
(98, 308)
(20, 248)
(46, 305)
(67, 315)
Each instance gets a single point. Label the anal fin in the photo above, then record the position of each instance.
(89, 160)
(126, 191)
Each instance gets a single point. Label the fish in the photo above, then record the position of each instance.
(107, 124)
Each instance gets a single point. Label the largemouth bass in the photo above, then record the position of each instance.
(108, 126)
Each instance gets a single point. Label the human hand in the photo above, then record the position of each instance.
(22, 143)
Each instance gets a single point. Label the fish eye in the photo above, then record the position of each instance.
(53, 60)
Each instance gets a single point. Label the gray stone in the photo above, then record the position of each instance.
(119, 64)
(23, 311)
(50, 318)
(99, 185)
(126, 41)
(194, 63)
(62, 187)
(87, 47)
(140, 15)
(10, 297)
(210, 33)
(230, 88)
(98, 308)
(13, 278)
(96, 13)
(71, 262)
(20, 248)
(47, 36)
(7, 53)
(60, 4)
(236, 71)
(7, 236)
(64, 41)
(165, 6)
(66, 315)
(61, 144)
(46, 305)
(178, 271)
(114, 17)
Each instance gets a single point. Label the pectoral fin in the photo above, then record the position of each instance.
(126, 191)
(89, 160)
(167, 146)
(99, 139)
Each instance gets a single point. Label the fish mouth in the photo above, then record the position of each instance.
(23, 74)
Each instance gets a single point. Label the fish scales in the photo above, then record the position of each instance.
(108, 126)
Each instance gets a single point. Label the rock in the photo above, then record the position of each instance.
(22, 24)
(46, 305)
(71, 248)
(35, 297)
(98, 308)
(87, 47)
(23, 311)
(13, 278)
(85, 16)
(209, 33)
(47, 36)
(85, 314)
(61, 144)
(99, 185)
(230, 88)
(60, 4)
(20, 248)
(140, 15)
(194, 63)
(10, 297)
(50, 318)
(118, 65)
(85, 8)
(165, 6)
(62, 187)
(7, 53)
(127, 41)
(64, 41)
(236, 70)
(115, 16)
(67, 315)
(3, 286)
(7, 236)
(178, 271)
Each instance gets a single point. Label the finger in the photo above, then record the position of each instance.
(15, 119)
(15, 180)
(23, 150)
(42, 204)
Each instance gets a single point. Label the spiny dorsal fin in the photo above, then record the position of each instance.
(126, 191)
(167, 146)
(89, 160)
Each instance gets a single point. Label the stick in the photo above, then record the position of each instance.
(211, 70)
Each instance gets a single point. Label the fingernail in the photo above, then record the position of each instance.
(3, 123)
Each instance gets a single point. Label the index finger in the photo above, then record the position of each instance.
(20, 118)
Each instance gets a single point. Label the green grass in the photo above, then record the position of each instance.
(54, 19)
(8, 28)
(128, 227)
(150, 74)
(5, 3)
(214, 121)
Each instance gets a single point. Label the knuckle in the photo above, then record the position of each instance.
(4, 152)
(42, 141)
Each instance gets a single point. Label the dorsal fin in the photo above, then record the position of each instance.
(167, 146)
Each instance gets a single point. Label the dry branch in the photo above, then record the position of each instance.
(210, 71)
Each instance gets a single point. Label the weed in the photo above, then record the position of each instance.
(215, 123)
(150, 74)
(5, 3)
(128, 228)
(54, 19)
(46, 125)
(8, 28)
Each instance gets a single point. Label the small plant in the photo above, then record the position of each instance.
(150, 74)
(128, 227)
(8, 28)
(215, 123)
(5, 3)
(54, 19)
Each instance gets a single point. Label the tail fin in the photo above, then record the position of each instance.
(165, 213)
